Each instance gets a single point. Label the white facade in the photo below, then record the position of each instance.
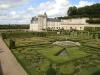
(42, 22)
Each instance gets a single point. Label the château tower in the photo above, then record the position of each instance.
(42, 21)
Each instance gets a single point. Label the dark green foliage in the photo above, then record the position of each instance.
(39, 34)
(44, 34)
(87, 11)
(12, 44)
(19, 34)
(29, 34)
(51, 71)
(96, 73)
(15, 26)
(92, 11)
(72, 11)
(92, 29)
(4, 36)
(93, 21)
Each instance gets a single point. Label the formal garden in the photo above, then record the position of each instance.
(49, 53)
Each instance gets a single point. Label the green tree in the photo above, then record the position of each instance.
(92, 11)
(72, 11)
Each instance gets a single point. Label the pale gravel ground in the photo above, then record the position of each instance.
(10, 66)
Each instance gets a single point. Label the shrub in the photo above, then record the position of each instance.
(4, 36)
(12, 44)
(96, 73)
(51, 71)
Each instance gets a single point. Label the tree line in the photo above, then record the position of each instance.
(92, 11)
(87, 11)
(14, 26)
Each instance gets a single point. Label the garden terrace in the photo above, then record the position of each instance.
(36, 53)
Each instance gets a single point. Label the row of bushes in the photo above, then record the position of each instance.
(17, 34)
(27, 34)
(93, 21)
(11, 41)
(92, 29)
(47, 34)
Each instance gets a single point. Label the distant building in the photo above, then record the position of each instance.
(42, 22)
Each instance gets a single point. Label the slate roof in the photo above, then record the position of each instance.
(48, 19)
(53, 20)
(34, 19)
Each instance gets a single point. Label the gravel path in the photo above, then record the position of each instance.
(9, 64)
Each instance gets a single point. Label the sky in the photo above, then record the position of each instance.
(21, 11)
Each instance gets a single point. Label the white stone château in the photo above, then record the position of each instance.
(42, 22)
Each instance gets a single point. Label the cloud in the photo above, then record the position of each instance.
(52, 7)
(11, 12)
(7, 4)
(83, 3)
(4, 6)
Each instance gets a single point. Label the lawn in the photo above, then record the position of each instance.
(72, 54)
